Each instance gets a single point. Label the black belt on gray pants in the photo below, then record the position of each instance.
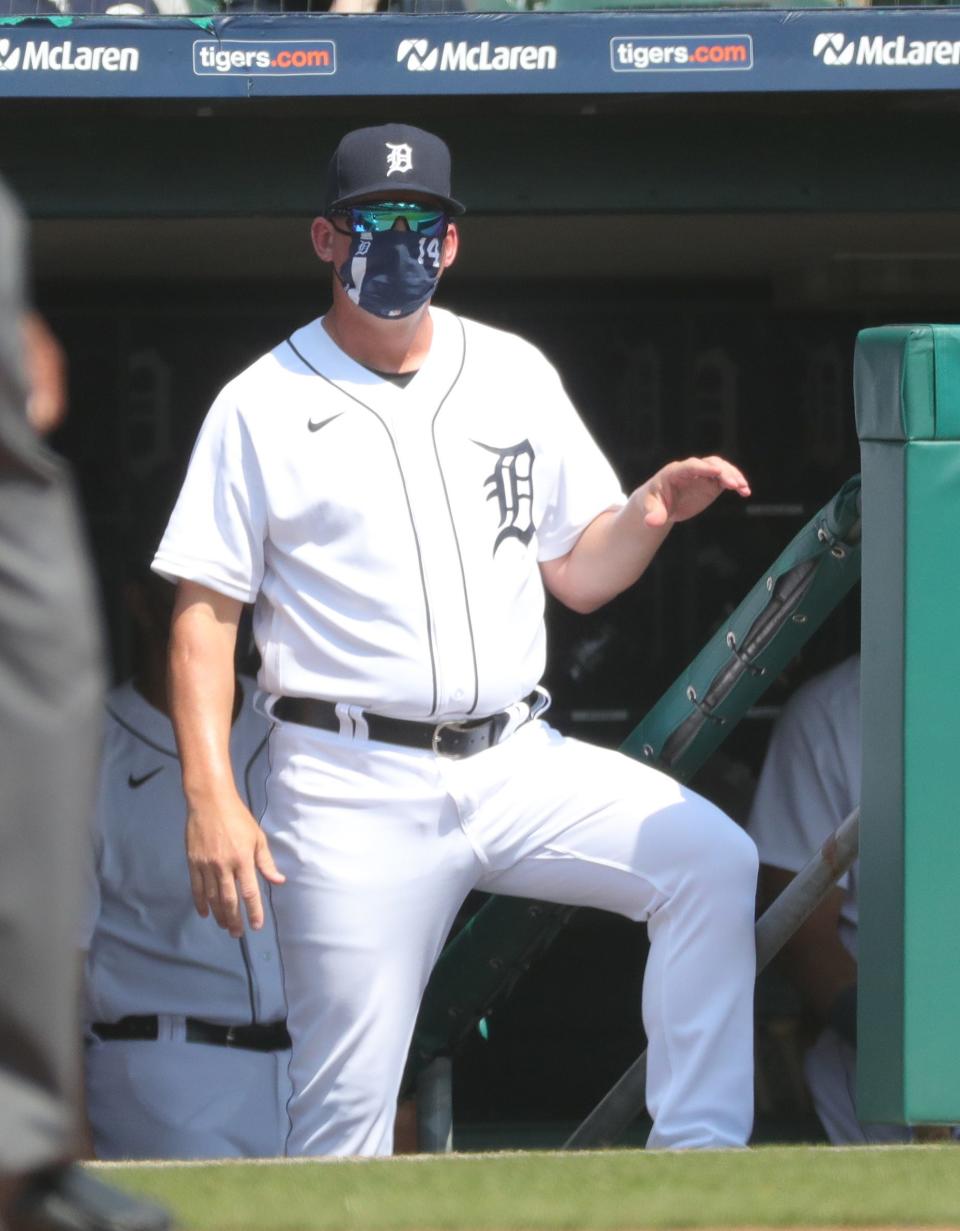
(458, 738)
(265, 1036)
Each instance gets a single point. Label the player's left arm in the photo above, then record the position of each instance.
(617, 547)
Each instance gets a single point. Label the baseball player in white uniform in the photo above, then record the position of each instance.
(393, 487)
(186, 1047)
(809, 784)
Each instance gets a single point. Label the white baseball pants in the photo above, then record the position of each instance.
(381, 844)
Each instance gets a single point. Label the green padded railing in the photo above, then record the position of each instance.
(737, 664)
(787, 605)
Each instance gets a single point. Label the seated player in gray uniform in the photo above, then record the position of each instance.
(810, 782)
(187, 1048)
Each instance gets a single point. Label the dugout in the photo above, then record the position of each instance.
(696, 251)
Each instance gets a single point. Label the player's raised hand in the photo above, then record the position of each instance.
(681, 490)
(225, 850)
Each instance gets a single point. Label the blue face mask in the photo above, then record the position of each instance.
(391, 273)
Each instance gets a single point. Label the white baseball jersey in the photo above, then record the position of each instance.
(390, 534)
(148, 949)
(811, 780)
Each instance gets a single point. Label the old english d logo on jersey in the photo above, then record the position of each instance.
(511, 485)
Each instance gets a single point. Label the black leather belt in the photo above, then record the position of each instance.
(459, 738)
(268, 1036)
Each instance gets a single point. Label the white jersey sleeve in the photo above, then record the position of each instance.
(585, 484)
(216, 533)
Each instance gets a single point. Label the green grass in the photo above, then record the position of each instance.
(777, 1186)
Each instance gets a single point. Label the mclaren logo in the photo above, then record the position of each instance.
(420, 56)
(875, 51)
(833, 49)
(9, 59)
(46, 55)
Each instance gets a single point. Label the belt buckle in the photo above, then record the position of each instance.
(230, 1038)
(455, 725)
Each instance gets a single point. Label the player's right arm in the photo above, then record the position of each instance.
(225, 845)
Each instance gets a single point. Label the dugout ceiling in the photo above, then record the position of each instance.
(829, 199)
(833, 153)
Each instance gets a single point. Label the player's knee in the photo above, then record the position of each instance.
(740, 862)
(743, 857)
(728, 855)
(698, 851)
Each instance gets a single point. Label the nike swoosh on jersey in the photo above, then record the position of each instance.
(315, 427)
(134, 783)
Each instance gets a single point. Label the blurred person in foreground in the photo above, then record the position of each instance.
(50, 694)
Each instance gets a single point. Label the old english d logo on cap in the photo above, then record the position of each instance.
(372, 162)
(399, 157)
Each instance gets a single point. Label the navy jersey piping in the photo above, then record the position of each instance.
(453, 525)
(406, 495)
(122, 722)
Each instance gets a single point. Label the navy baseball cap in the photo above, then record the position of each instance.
(387, 161)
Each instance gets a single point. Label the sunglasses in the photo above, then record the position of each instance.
(420, 219)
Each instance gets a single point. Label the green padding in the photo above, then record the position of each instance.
(907, 382)
(52, 20)
(908, 415)
(879, 943)
(931, 840)
(791, 600)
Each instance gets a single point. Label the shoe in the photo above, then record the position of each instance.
(68, 1198)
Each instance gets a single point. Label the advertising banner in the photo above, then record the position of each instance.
(620, 52)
